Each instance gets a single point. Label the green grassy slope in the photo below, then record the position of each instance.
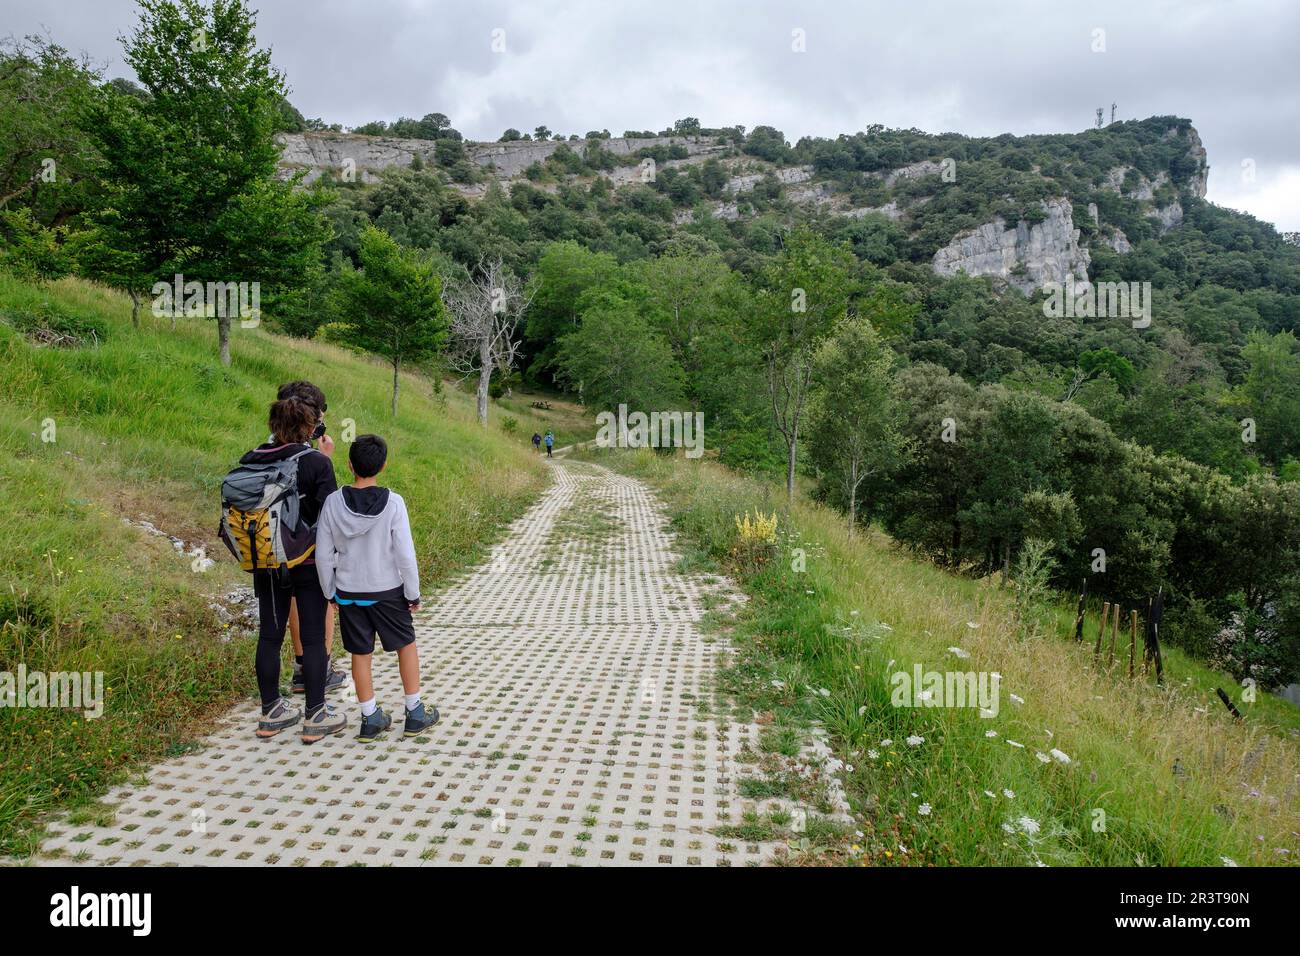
(820, 645)
(146, 424)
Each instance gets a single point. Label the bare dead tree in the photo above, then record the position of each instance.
(485, 310)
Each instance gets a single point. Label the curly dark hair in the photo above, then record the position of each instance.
(306, 392)
(292, 420)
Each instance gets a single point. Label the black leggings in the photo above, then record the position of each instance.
(273, 593)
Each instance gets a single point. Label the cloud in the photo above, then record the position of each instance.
(1017, 66)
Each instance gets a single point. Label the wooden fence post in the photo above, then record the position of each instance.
(1132, 643)
(1078, 617)
(1114, 637)
(1105, 613)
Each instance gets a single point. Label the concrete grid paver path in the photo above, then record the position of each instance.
(568, 669)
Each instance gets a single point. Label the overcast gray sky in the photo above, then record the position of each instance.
(980, 67)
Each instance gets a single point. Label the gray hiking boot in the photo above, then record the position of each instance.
(322, 724)
(420, 720)
(281, 716)
(374, 725)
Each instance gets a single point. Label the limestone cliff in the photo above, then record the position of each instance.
(316, 152)
(1024, 255)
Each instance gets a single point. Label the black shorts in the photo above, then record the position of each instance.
(389, 617)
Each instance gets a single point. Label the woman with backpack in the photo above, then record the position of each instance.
(279, 553)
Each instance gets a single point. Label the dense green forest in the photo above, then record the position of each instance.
(815, 336)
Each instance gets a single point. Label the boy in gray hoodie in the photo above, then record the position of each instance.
(365, 559)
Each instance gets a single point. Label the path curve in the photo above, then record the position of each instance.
(569, 669)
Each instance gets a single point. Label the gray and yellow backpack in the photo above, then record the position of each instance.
(260, 521)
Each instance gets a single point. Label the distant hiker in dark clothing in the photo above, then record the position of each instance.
(537, 442)
(550, 440)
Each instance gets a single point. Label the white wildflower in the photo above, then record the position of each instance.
(1015, 743)
(923, 809)
(958, 652)
(1061, 756)
(915, 741)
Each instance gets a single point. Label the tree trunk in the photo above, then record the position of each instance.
(484, 378)
(135, 308)
(223, 336)
(397, 368)
(792, 447)
(853, 499)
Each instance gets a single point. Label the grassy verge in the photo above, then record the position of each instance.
(1080, 765)
(143, 425)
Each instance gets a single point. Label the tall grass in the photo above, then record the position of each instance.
(1156, 776)
(146, 424)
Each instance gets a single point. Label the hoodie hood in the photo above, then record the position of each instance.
(361, 511)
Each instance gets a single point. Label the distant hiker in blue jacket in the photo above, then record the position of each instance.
(365, 558)
(550, 440)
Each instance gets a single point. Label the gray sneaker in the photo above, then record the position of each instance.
(281, 716)
(334, 678)
(322, 724)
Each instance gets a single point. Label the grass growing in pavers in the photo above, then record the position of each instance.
(944, 785)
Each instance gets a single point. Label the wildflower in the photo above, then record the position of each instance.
(872, 754)
(886, 742)
(990, 794)
(1062, 757)
(990, 733)
(1029, 825)
(923, 809)
(1017, 700)
(1227, 861)
(855, 613)
(915, 741)
(779, 684)
(958, 652)
(823, 691)
(1009, 794)
(1042, 757)
(1015, 743)
(862, 710)
(972, 624)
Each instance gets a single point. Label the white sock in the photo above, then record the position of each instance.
(412, 701)
(368, 707)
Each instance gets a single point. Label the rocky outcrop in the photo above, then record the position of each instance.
(1025, 256)
(315, 152)
(914, 171)
(1143, 191)
(788, 176)
(1167, 217)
